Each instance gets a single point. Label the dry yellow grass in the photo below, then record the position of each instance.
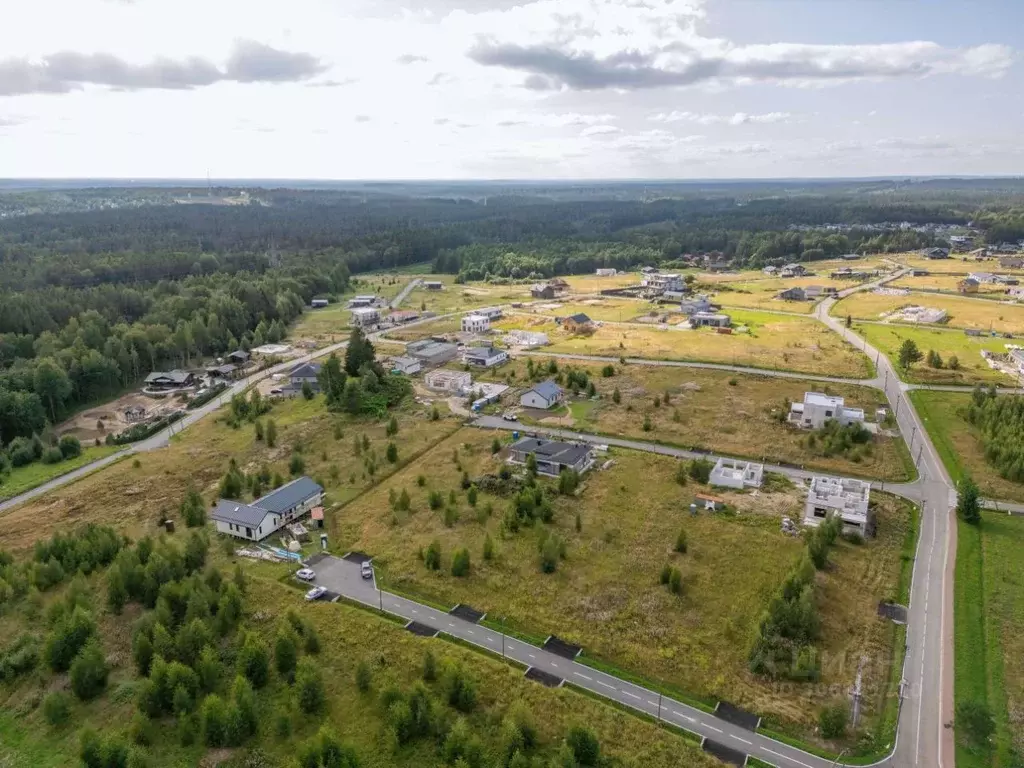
(964, 312)
(762, 293)
(134, 498)
(610, 309)
(606, 594)
(944, 282)
(708, 411)
(960, 264)
(596, 283)
(774, 341)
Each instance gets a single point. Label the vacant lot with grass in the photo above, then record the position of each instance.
(959, 265)
(589, 284)
(979, 314)
(762, 293)
(945, 282)
(133, 498)
(734, 414)
(973, 369)
(26, 478)
(604, 309)
(606, 593)
(773, 341)
(959, 444)
(989, 635)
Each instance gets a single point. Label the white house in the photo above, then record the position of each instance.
(664, 281)
(710, 320)
(545, 395)
(406, 365)
(792, 270)
(475, 323)
(365, 316)
(695, 305)
(268, 514)
(362, 300)
(846, 497)
(491, 313)
(733, 473)
(319, 303)
(606, 272)
(485, 357)
(527, 338)
(448, 381)
(817, 408)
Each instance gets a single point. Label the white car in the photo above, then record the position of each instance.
(316, 593)
(366, 571)
(306, 574)
(508, 416)
(276, 391)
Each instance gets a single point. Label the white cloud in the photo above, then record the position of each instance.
(737, 118)
(599, 130)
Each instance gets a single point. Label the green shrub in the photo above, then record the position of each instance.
(57, 708)
(460, 562)
(89, 672)
(309, 687)
(832, 720)
(364, 676)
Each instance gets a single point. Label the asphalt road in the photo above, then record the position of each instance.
(343, 577)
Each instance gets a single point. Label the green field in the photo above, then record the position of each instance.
(605, 594)
(26, 478)
(989, 635)
(948, 343)
(963, 312)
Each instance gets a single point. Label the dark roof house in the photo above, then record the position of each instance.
(264, 516)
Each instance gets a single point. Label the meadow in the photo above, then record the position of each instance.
(964, 312)
(958, 443)
(762, 293)
(945, 282)
(606, 596)
(726, 413)
(973, 369)
(22, 479)
(774, 341)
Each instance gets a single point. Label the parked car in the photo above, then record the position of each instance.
(366, 570)
(508, 416)
(276, 391)
(316, 593)
(306, 574)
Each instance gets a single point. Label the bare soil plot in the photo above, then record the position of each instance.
(86, 425)
(606, 596)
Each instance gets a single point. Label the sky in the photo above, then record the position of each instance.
(510, 89)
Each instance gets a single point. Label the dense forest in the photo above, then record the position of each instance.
(100, 286)
(1000, 420)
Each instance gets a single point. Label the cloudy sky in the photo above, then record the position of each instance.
(443, 89)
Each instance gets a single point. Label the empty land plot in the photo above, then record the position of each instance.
(606, 594)
(959, 442)
(331, 323)
(734, 414)
(133, 498)
(762, 294)
(454, 297)
(603, 309)
(944, 282)
(948, 343)
(989, 634)
(958, 265)
(977, 314)
(597, 283)
(425, 330)
(26, 478)
(774, 341)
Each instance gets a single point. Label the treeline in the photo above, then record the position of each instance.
(1000, 421)
(1002, 226)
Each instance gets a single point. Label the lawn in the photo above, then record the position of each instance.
(26, 478)
(958, 443)
(348, 636)
(461, 298)
(958, 265)
(989, 635)
(589, 284)
(133, 498)
(331, 324)
(964, 312)
(948, 343)
(734, 414)
(605, 309)
(774, 341)
(606, 594)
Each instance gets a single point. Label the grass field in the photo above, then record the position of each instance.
(978, 314)
(774, 341)
(944, 282)
(606, 594)
(331, 323)
(26, 478)
(604, 309)
(948, 343)
(958, 265)
(761, 293)
(587, 284)
(461, 298)
(958, 443)
(134, 498)
(718, 411)
(989, 635)
(348, 636)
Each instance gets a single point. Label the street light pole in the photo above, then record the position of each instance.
(839, 757)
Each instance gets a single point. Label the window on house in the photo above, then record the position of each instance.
(828, 414)
(819, 512)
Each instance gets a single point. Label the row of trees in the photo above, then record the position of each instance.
(1000, 424)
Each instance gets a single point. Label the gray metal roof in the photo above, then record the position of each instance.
(178, 377)
(552, 450)
(237, 512)
(547, 389)
(289, 495)
(482, 352)
(305, 370)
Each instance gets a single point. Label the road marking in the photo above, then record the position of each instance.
(554, 665)
(687, 718)
(531, 656)
(414, 610)
(602, 682)
(490, 639)
(578, 674)
(790, 759)
(470, 631)
(741, 741)
(712, 728)
(450, 624)
(632, 694)
(652, 703)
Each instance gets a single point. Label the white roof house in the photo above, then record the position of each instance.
(406, 365)
(448, 381)
(475, 323)
(817, 408)
(363, 316)
(606, 272)
(485, 357)
(491, 313)
(733, 473)
(845, 497)
(527, 338)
